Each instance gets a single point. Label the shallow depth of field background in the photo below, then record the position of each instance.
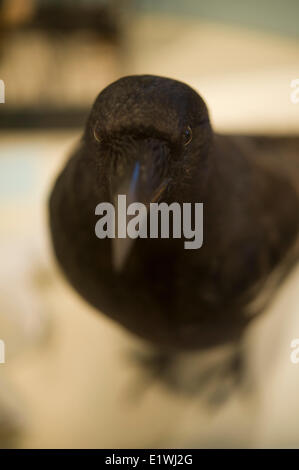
(69, 380)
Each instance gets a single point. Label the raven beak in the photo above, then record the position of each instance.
(135, 188)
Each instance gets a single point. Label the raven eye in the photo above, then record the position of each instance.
(187, 136)
(96, 135)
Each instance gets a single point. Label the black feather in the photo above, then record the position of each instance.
(178, 299)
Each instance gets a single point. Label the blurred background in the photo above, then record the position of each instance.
(68, 379)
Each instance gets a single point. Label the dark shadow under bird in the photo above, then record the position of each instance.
(177, 299)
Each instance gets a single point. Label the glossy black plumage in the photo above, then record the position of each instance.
(178, 299)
